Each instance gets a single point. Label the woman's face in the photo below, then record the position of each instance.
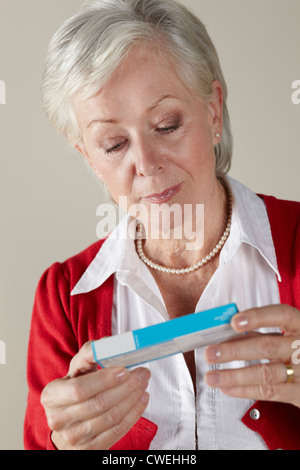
(147, 136)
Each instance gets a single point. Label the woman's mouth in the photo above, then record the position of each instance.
(164, 196)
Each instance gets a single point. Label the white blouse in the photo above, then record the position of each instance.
(247, 275)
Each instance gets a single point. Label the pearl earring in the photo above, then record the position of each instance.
(217, 135)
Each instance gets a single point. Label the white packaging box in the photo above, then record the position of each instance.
(165, 339)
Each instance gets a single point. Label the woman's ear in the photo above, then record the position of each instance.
(81, 148)
(215, 106)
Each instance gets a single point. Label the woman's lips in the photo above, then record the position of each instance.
(164, 196)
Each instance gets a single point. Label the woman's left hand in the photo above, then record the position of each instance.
(266, 381)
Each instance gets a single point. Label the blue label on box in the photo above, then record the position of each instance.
(183, 325)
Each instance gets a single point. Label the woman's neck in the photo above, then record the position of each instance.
(185, 252)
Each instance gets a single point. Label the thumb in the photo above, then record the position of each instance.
(84, 362)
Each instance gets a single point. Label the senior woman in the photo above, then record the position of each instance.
(137, 87)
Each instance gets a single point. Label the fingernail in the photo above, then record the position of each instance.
(144, 398)
(121, 375)
(143, 375)
(213, 353)
(212, 378)
(241, 322)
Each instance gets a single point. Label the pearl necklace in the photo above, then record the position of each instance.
(201, 263)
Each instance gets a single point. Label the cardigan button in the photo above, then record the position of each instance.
(254, 414)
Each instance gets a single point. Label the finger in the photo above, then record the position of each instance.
(285, 317)
(260, 374)
(284, 393)
(261, 346)
(100, 403)
(83, 433)
(83, 362)
(112, 435)
(69, 391)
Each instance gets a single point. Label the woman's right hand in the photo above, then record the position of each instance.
(92, 409)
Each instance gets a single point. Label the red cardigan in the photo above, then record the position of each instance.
(61, 324)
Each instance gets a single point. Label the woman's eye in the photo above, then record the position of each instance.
(168, 130)
(115, 148)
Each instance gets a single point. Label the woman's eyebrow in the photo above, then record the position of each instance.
(162, 98)
(102, 121)
(114, 121)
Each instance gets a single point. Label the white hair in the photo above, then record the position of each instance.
(89, 47)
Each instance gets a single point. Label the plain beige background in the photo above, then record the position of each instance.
(49, 199)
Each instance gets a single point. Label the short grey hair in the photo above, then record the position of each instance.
(89, 47)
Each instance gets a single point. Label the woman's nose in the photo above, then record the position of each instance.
(147, 159)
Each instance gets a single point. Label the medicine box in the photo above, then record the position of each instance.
(175, 336)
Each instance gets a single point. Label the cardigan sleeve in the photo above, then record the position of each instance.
(52, 344)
